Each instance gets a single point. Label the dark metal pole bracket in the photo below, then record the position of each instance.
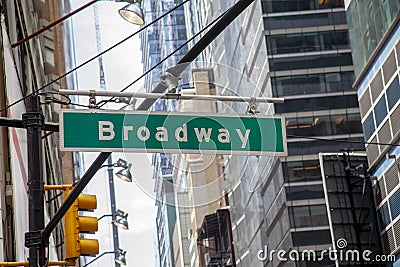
(32, 119)
(36, 238)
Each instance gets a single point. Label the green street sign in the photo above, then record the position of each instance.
(138, 131)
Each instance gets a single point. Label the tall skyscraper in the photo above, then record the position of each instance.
(298, 50)
(375, 34)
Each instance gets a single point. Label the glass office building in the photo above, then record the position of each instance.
(375, 44)
(299, 50)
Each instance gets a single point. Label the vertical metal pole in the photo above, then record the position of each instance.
(350, 187)
(373, 212)
(33, 121)
(113, 207)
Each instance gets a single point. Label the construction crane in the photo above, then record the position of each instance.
(98, 44)
(130, 102)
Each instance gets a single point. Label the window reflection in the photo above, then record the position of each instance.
(309, 238)
(380, 110)
(306, 20)
(308, 216)
(301, 171)
(317, 103)
(304, 192)
(298, 5)
(315, 147)
(393, 93)
(324, 125)
(312, 83)
(308, 62)
(307, 42)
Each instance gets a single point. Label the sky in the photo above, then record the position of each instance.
(122, 65)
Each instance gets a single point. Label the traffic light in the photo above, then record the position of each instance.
(75, 224)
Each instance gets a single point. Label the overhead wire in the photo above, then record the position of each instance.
(164, 59)
(96, 56)
(341, 140)
(157, 65)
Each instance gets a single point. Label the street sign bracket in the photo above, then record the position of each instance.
(92, 99)
(35, 238)
(252, 108)
(175, 96)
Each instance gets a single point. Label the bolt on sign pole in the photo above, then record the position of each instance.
(33, 120)
(191, 55)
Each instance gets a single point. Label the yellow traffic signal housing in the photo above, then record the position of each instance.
(75, 224)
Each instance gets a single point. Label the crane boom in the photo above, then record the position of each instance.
(98, 44)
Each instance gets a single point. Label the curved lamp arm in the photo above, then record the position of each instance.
(106, 215)
(98, 257)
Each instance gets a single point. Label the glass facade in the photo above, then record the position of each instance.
(368, 22)
(309, 39)
(301, 52)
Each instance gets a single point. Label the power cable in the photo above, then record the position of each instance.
(341, 140)
(164, 59)
(95, 57)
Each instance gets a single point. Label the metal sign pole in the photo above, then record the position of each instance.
(33, 120)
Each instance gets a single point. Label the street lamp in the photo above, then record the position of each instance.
(120, 221)
(124, 174)
(119, 218)
(133, 13)
(119, 257)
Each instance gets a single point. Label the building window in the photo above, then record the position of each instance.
(309, 238)
(304, 192)
(316, 83)
(307, 20)
(308, 216)
(301, 171)
(394, 203)
(384, 218)
(317, 103)
(324, 125)
(307, 42)
(315, 147)
(393, 93)
(269, 6)
(380, 110)
(369, 126)
(310, 62)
